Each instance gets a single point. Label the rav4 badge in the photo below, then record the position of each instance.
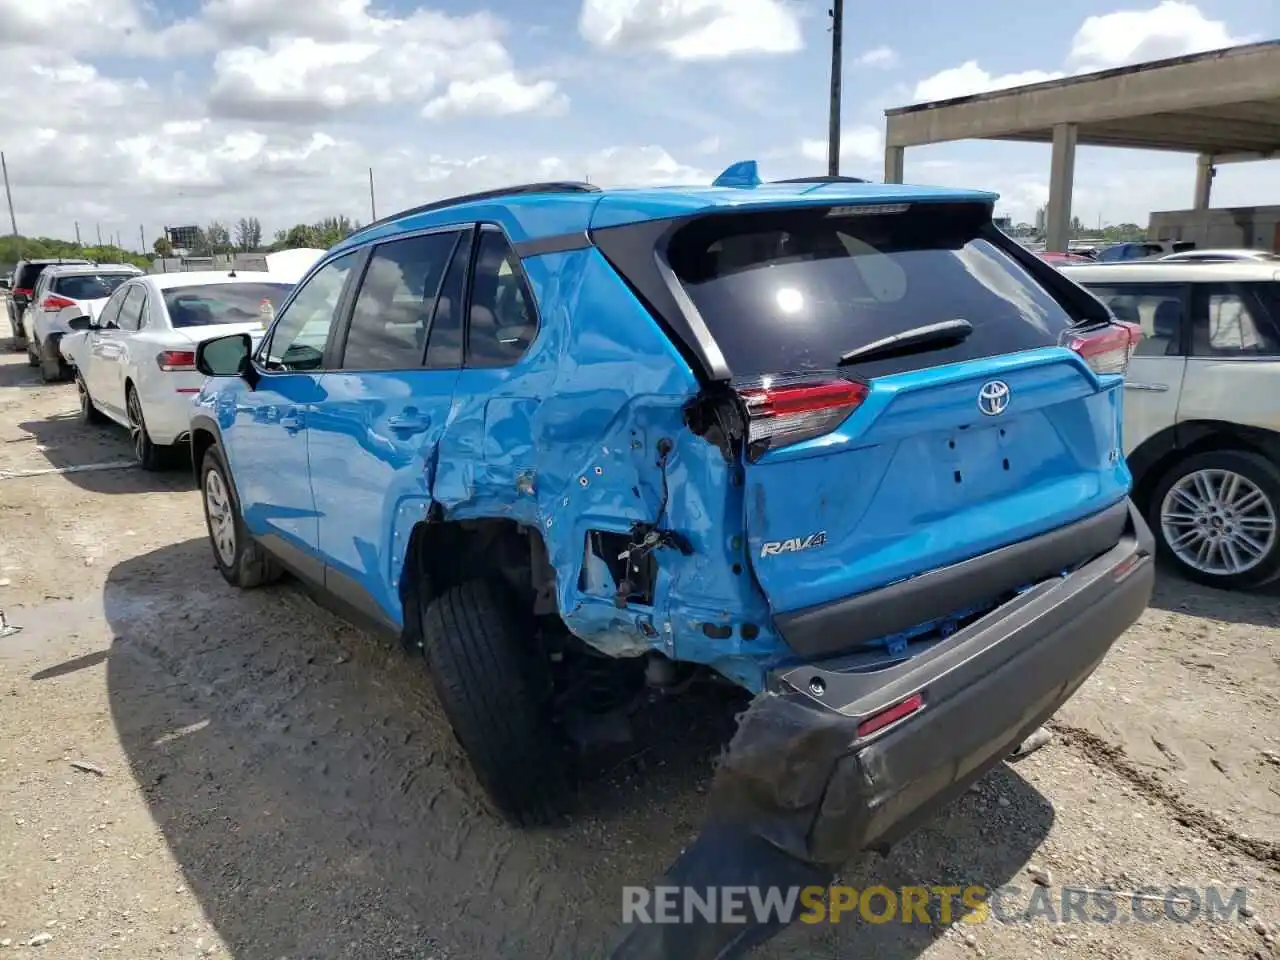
(771, 548)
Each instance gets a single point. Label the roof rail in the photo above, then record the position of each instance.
(549, 186)
(824, 179)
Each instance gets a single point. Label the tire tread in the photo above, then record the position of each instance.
(487, 674)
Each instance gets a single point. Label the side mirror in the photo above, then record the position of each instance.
(6, 283)
(81, 323)
(227, 357)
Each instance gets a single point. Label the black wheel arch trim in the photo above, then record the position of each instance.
(1155, 455)
(210, 426)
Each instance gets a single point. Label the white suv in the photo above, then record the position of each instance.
(1202, 410)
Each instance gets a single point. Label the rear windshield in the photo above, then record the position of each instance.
(200, 306)
(787, 292)
(27, 276)
(90, 286)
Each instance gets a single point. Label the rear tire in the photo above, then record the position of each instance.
(19, 337)
(1216, 518)
(495, 690)
(53, 370)
(241, 560)
(152, 456)
(89, 414)
(33, 360)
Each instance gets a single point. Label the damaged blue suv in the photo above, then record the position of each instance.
(844, 444)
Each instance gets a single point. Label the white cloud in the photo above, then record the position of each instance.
(119, 154)
(864, 144)
(1172, 28)
(969, 78)
(496, 96)
(329, 62)
(877, 57)
(692, 29)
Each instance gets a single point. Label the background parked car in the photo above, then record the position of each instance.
(62, 295)
(1219, 256)
(136, 365)
(1058, 259)
(1202, 410)
(25, 275)
(1142, 250)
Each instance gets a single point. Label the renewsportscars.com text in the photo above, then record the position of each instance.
(932, 904)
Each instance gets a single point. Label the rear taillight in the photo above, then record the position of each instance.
(786, 410)
(1106, 349)
(21, 292)
(56, 302)
(171, 360)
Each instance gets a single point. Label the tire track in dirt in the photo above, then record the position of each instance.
(1217, 833)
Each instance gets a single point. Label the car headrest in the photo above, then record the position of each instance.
(1167, 318)
(1126, 312)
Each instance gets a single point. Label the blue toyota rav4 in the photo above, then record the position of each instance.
(844, 444)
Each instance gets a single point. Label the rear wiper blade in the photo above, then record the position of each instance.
(916, 340)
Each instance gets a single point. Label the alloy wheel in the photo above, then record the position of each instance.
(1218, 522)
(222, 526)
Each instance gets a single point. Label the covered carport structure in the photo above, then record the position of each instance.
(1223, 106)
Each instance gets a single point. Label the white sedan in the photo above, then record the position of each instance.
(136, 362)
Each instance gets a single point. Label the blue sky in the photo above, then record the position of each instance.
(193, 110)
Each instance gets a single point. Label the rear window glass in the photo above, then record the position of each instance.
(28, 275)
(90, 286)
(200, 306)
(788, 292)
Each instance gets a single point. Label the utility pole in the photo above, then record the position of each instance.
(78, 233)
(142, 240)
(837, 61)
(13, 222)
(99, 226)
(373, 206)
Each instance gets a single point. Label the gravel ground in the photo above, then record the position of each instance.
(190, 771)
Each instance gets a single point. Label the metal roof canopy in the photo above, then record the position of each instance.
(1223, 105)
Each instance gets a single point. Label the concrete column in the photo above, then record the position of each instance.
(1062, 169)
(1205, 171)
(894, 159)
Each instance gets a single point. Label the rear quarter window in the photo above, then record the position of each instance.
(791, 291)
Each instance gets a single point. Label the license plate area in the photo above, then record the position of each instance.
(979, 461)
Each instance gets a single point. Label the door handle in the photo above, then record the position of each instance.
(409, 424)
(291, 422)
(1146, 387)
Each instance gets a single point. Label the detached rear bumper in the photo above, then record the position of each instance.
(798, 774)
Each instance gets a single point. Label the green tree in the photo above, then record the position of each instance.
(218, 237)
(163, 247)
(248, 234)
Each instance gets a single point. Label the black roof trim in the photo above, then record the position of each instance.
(549, 186)
(824, 179)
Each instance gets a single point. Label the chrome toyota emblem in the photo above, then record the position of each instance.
(993, 398)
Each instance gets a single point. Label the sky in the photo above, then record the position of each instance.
(127, 115)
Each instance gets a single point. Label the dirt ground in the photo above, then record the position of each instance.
(258, 779)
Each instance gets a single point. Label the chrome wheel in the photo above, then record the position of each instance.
(222, 521)
(1218, 522)
(137, 428)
